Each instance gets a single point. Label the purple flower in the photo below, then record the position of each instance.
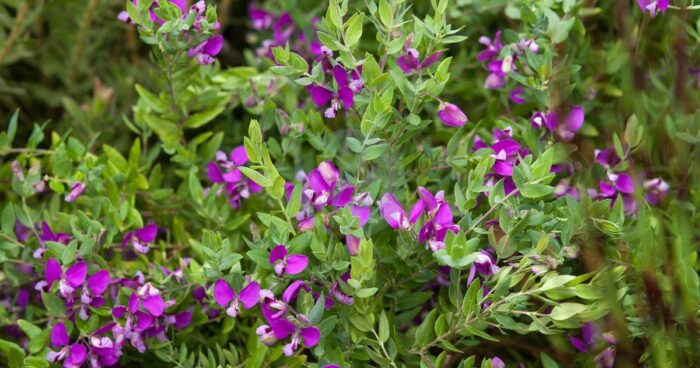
(207, 49)
(76, 189)
(515, 95)
(496, 362)
(484, 263)
(141, 238)
(322, 184)
(493, 48)
(607, 157)
(563, 188)
(226, 297)
(410, 61)
(347, 88)
(225, 171)
(73, 356)
(68, 282)
(260, 18)
(451, 115)
(290, 264)
(586, 340)
(653, 6)
(393, 212)
(618, 183)
(657, 190)
(565, 127)
(281, 329)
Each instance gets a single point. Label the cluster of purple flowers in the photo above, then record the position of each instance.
(563, 125)
(622, 184)
(347, 86)
(506, 152)
(205, 51)
(225, 171)
(500, 63)
(590, 338)
(653, 6)
(282, 321)
(435, 211)
(323, 187)
(284, 31)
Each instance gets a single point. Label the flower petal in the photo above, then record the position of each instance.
(53, 271)
(154, 304)
(278, 252)
(76, 274)
(310, 336)
(147, 233)
(98, 282)
(296, 263)
(59, 336)
(250, 295)
(223, 294)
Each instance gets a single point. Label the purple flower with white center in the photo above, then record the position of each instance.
(103, 352)
(393, 212)
(586, 340)
(225, 171)
(359, 208)
(76, 189)
(657, 189)
(618, 183)
(653, 6)
(348, 87)
(47, 235)
(73, 356)
(496, 362)
(565, 128)
(68, 282)
(516, 96)
(526, 44)
(207, 50)
(283, 328)
(228, 298)
(260, 18)
(289, 264)
(506, 153)
(410, 61)
(338, 294)
(484, 263)
(564, 188)
(439, 218)
(607, 157)
(141, 238)
(493, 48)
(92, 291)
(498, 70)
(451, 115)
(322, 183)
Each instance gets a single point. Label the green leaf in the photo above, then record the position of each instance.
(373, 152)
(556, 281)
(15, 354)
(386, 13)
(29, 328)
(254, 131)
(256, 177)
(54, 304)
(535, 190)
(294, 204)
(8, 219)
(202, 118)
(354, 30)
(565, 311)
(383, 327)
(316, 313)
(151, 100)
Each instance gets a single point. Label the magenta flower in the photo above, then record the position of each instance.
(226, 297)
(516, 95)
(225, 171)
(653, 6)
(565, 128)
(73, 356)
(496, 362)
(68, 282)
(607, 157)
(410, 61)
(451, 115)
(207, 49)
(493, 48)
(348, 87)
(617, 183)
(393, 212)
(290, 264)
(564, 188)
(48, 235)
(76, 189)
(141, 238)
(91, 294)
(484, 263)
(282, 328)
(260, 18)
(438, 215)
(657, 190)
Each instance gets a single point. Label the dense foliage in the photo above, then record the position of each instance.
(444, 183)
